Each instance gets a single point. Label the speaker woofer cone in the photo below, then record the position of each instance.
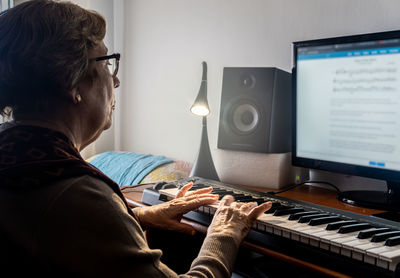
(245, 118)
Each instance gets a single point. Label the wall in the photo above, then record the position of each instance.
(166, 41)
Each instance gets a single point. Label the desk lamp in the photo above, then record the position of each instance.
(203, 166)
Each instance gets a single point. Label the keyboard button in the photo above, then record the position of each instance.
(323, 220)
(307, 218)
(337, 225)
(296, 216)
(280, 212)
(353, 228)
(275, 206)
(392, 241)
(383, 236)
(370, 232)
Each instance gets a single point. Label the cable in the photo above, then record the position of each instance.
(303, 183)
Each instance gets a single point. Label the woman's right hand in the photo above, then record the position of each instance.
(236, 218)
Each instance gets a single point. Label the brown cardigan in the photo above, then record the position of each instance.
(79, 227)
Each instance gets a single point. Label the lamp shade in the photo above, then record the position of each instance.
(200, 105)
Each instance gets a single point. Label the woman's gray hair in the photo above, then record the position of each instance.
(44, 49)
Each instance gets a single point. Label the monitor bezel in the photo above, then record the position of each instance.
(337, 167)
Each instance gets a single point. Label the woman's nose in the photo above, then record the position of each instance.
(116, 82)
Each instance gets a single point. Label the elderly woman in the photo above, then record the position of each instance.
(59, 215)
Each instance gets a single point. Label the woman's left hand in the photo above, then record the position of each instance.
(169, 214)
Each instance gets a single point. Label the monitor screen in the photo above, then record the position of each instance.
(347, 105)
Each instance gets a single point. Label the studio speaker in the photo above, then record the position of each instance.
(256, 110)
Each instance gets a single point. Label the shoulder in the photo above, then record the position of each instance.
(89, 222)
(86, 194)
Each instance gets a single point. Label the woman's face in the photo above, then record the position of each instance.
(98, 99)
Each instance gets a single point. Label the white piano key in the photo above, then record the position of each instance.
(375, 252)
(277, 231)
(314, 242)
(382, 263)
(324, 245)
(314, 229)
(369, 260)
(390, 255)
(345, 238)
(304, 239)
(345, 252)
(355, 242)
(364, 247)
(260, 226)
(357, 255)
(295, 236)
(286, 234)
(335, 249)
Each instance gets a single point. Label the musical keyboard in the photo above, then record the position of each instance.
(352, 243)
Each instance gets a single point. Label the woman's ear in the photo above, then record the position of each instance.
(75, 95)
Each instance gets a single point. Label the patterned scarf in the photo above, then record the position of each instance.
(36, 156)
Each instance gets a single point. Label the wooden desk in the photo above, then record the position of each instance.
(305, 193)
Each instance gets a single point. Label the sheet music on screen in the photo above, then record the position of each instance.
(348, 103)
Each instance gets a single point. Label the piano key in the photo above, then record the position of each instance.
(349, 246)
(199, 186)
(240, 197)
(370, 232)
(367, 246)
(323, 220)
(279, 212)
(296, 216)
(274, 205)
(354, 244)
(354, 227)
(376, 252)
(307, 218)
(335, 240)
(384, 236)
(273, 209)
(337, 225)
(251, 199)
(392, 257)
(393, 241)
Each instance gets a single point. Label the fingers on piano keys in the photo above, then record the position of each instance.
(362, 241)
(339, 234)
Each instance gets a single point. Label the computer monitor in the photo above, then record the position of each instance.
(346, 102)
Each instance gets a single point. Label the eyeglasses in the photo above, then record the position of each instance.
(112, 62)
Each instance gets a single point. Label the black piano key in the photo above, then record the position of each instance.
(216, 191)
(392, 241)
(251, 199)
(324, 220)
(297, 215)
(353, 228)
(259, 201)
(273, 209)
(280, 212)
(240, 197)
(370, 232)
(274, 206)
(338, 224)
(199, 186)
(237, 196)
(307, 218)
(383, 236)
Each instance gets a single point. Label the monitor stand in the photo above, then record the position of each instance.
(383, 200)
